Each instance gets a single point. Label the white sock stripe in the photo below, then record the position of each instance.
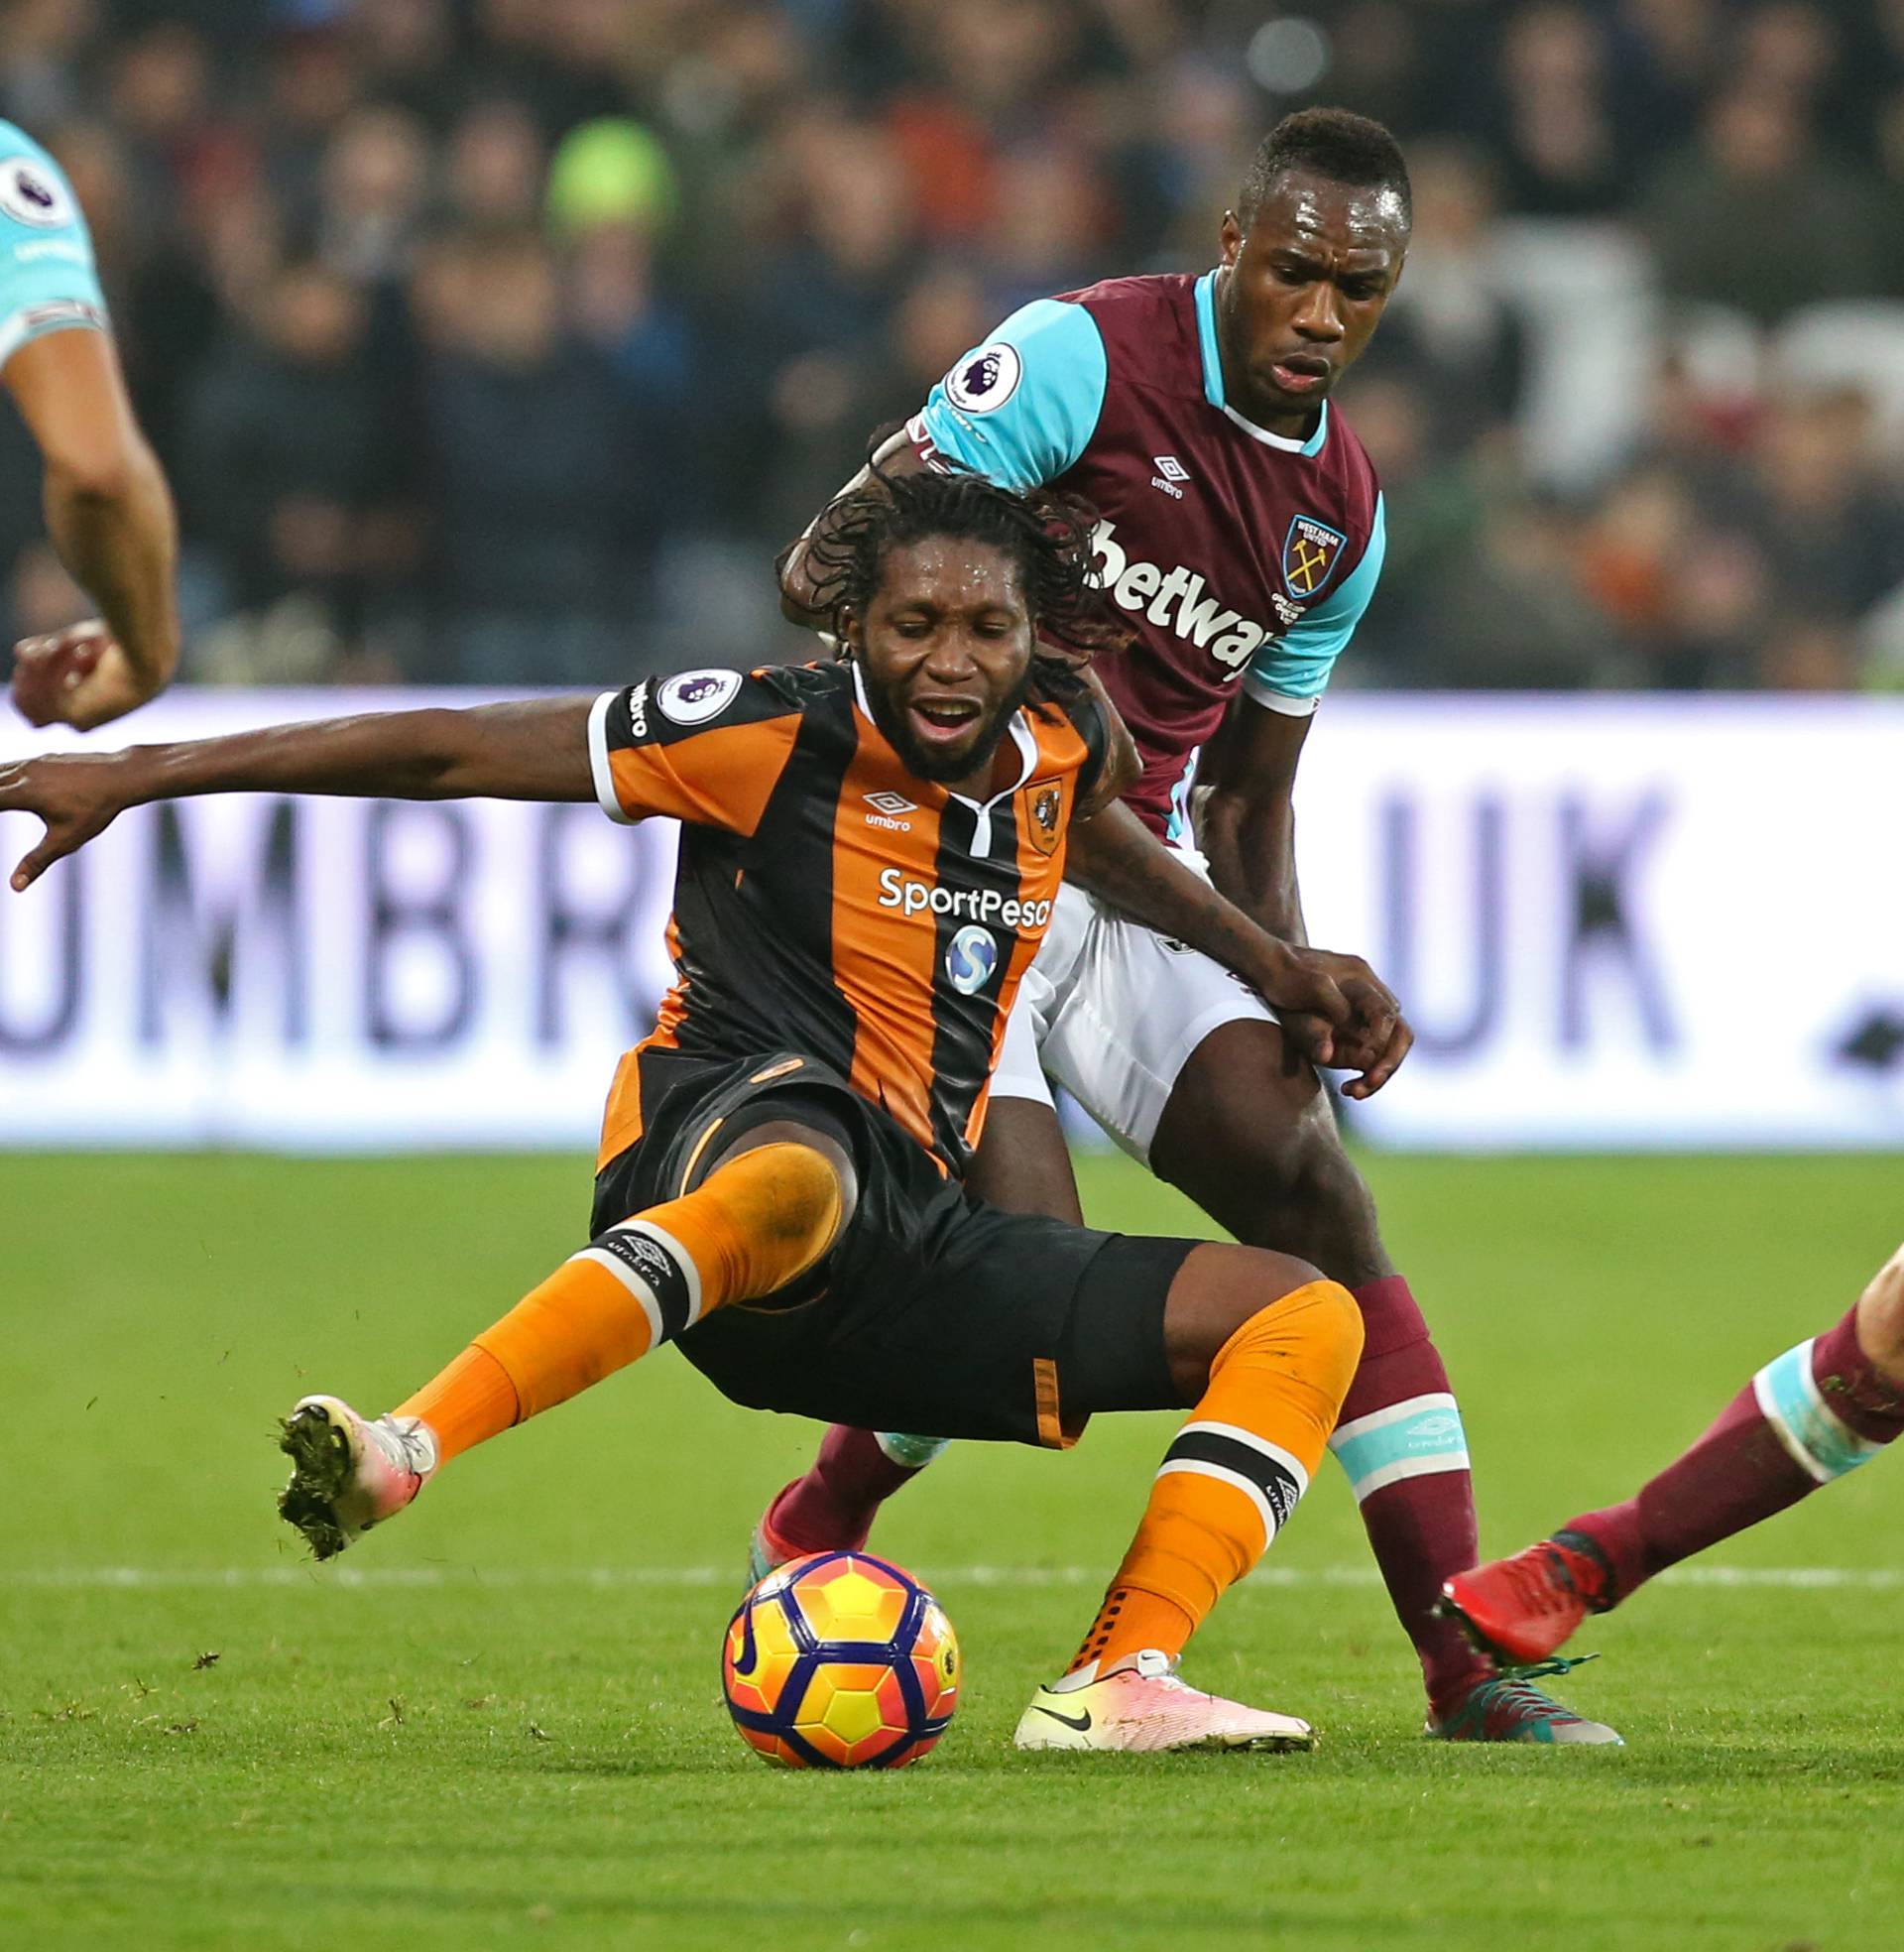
(1787, 1437)
(678, 1254)
(910, 1453)
(1408, 1467)
(1196, 1467)
(1379, 1419)
(635, 1284)
(1814, 1435)
(1273, 1451)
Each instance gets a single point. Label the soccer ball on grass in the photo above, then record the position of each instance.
(840, 1660)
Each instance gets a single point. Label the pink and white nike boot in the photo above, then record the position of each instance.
(1143, 1707)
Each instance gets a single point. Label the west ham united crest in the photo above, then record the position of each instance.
(1310, 552)
(1044, 804)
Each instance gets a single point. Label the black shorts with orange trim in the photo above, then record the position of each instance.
(935, 1314)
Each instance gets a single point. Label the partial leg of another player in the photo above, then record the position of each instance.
(1253, 1139)
(1265, 1349)
(765, 1213)
(1808, 1418)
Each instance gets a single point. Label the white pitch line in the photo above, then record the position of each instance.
(616, 1578)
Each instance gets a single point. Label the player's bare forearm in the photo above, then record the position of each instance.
(1247, 826)
(1118, 858)
(532, 750)
(110, 516)
(122, 549)
(1250, 845)
(1247, 816)
(1123, 765)
(536, 750)
(799, 603)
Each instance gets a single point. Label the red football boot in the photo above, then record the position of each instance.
(1522, 1610)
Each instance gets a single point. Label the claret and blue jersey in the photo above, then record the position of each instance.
(47, 282)
(1240, 559)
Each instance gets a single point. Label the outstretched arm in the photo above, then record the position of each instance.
(532, 750)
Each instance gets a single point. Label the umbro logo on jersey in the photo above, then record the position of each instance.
(887, 811)
(1170, 471)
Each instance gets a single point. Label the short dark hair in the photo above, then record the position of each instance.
(1327, 142)
(1048, 536)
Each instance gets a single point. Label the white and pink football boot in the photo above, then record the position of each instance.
(1140, 1706)
(347, 1472)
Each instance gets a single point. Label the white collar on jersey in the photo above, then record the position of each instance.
(1022, 737)
(1213, 379)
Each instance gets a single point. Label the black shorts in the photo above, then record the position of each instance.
(933, 1314)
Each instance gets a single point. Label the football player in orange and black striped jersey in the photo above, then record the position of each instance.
(869, 854)
(820, 851)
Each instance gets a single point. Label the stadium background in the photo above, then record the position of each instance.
(503, 341)
(500, 344)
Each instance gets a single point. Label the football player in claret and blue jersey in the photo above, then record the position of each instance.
(108, 511)
(1241, 533)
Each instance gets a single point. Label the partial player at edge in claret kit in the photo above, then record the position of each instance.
(778, 1185)
(1815, 1412)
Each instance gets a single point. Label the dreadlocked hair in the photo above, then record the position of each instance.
(1046, 535)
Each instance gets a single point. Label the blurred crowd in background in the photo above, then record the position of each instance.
(507, 341)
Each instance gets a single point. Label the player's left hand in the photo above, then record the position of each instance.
(77, 794)
(78, 676)
(1336, 1011)
(1376, 1056)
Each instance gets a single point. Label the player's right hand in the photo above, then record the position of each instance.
(48, 669)
(77, 795)
(80, 677)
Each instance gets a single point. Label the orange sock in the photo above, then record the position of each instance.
(1232, 1476)
(753, 1225)
(472, 1401)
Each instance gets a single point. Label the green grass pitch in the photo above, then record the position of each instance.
(500, 1725)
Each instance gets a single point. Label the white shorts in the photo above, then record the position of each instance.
(1112, 1011)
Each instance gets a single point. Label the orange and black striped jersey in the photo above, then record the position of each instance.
(829, 901)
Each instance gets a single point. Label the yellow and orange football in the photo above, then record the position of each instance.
(840, 1660)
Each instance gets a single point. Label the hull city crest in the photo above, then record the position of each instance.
(1044, 806)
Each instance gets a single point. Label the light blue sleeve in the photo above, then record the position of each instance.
(1021, 408)
(1292, 672)
(48, 282)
